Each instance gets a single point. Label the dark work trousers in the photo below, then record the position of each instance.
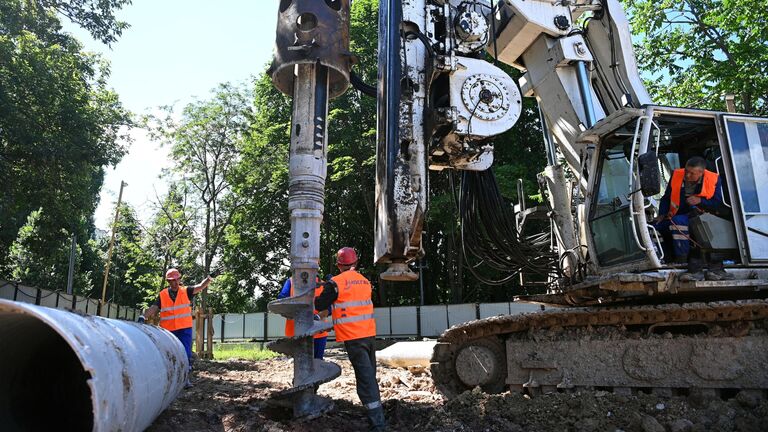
(362, 355)
(185, 336)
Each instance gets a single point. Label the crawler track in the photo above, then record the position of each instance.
(664, 348)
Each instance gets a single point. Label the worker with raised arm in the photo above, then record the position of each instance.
(691, 191)
(175, 306)
(349, 296)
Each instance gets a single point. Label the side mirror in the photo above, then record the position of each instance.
(650, 174)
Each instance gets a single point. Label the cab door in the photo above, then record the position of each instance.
(748, 150)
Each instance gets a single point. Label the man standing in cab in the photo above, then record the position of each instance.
(349, 296)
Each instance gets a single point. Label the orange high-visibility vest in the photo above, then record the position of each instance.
(708, 186)
(289, 324)
(352, 311)
(175, 315)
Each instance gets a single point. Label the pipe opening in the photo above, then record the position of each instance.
(39, 372)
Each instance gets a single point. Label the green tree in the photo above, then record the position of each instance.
(171, 238)
(40, 259)
(256, 253)
(205, 144)
(697, 51)
(134, 271)
(59, 123)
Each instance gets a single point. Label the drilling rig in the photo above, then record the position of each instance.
(628, 322)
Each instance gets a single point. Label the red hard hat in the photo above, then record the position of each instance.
(346, 256)
(172, 274)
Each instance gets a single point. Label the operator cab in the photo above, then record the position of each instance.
(618, 215)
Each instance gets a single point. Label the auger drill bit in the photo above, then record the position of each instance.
(311, 64)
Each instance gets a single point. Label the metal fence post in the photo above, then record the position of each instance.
(418, 322)
(243, 326)
(15, 291)
(223, 319)
(266, 324)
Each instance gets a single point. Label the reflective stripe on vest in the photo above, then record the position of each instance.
(175, 315)
(353, 309)
(290, 330)
(175, 307)
(708, 187)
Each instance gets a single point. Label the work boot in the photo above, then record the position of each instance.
(719, 275)
(377, 420)
(691, 277)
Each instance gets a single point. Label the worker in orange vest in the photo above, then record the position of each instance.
(175, 306)
(320, 338)
(692, 190)
(349, 296)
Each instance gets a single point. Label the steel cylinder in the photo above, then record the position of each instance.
(310, 32)
(64, 371)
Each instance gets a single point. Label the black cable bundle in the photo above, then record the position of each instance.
(489, 233)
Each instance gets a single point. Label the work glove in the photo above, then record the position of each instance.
(140, 319)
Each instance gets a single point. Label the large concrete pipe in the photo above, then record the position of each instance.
(63, 371)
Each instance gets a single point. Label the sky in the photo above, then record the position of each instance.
(174, 51)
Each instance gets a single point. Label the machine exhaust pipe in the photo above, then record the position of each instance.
(64, 371)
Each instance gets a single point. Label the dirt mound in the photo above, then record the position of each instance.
(232, 396)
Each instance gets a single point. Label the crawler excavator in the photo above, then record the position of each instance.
(624, 321)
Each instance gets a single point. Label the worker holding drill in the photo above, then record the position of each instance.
(175, 306)
(349, 296)
(319, 338)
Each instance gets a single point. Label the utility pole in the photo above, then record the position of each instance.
(112, 242)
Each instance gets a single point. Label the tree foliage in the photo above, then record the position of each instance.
(205, 145)
(697, 51)
(59, 128)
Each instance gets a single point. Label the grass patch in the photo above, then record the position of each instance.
(243, 351)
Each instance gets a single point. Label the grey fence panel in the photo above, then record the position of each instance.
(48, 298)
(519, 308)
(93, 306)
(434, 320)
(6, 290)
(461, 313)
(105, 309)
(65, 301)
(383, 324)
(216, 327)
(233, 326)
(26, 294)
(493, 309)
(254, 326)
(114, 310)
(121, 311)
(275, 326)
(80, 304)
(405, 321)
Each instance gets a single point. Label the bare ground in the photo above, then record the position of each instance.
(232, 396)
